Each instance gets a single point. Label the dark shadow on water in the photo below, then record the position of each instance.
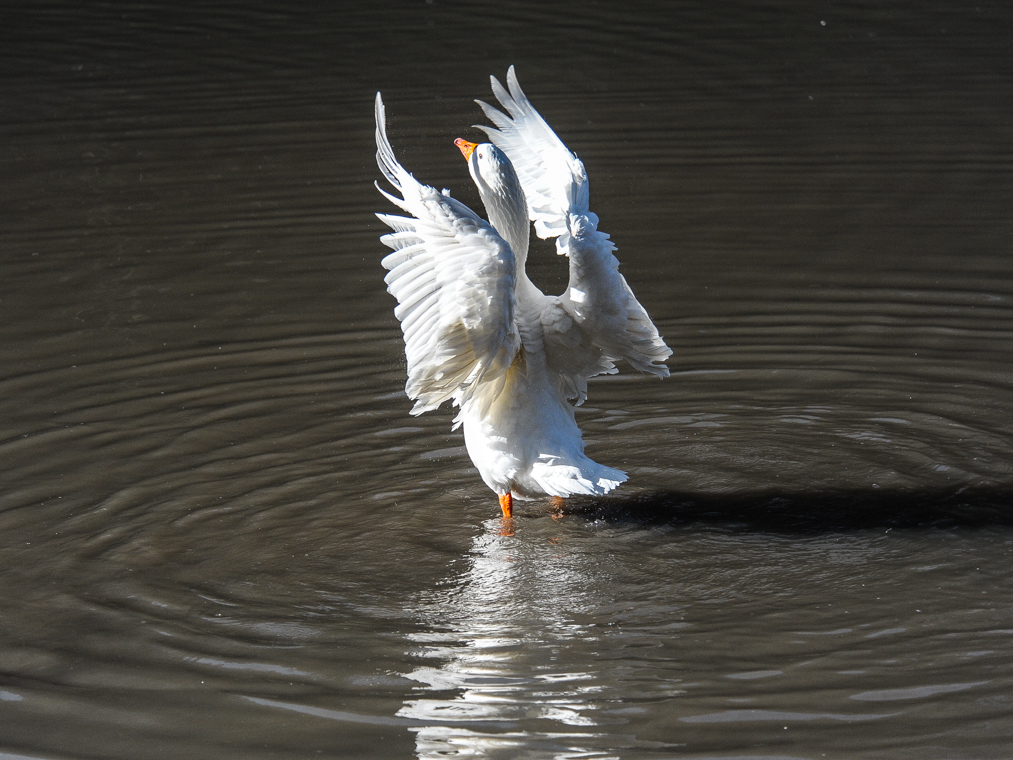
(805, 513)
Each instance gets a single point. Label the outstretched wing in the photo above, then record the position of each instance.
(553, 179)
(598, 320)
(453, 277)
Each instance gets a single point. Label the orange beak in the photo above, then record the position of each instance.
(467, 148)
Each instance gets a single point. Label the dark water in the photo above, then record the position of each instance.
(222, 534)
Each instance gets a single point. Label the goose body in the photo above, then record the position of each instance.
(479, 333)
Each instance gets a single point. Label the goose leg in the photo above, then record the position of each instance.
(506, 503)
(557, 503)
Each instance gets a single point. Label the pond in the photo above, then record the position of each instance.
(224, 535)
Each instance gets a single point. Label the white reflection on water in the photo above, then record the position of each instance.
(501, 636)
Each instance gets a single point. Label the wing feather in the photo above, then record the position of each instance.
(598, 320)
(453, 277)
(553, 179)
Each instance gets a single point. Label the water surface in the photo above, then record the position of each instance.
(225, 537)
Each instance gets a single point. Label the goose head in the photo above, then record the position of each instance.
(501, 192)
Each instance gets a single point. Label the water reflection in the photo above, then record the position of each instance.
(502, 634)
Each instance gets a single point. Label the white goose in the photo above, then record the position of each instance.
(477, 331)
